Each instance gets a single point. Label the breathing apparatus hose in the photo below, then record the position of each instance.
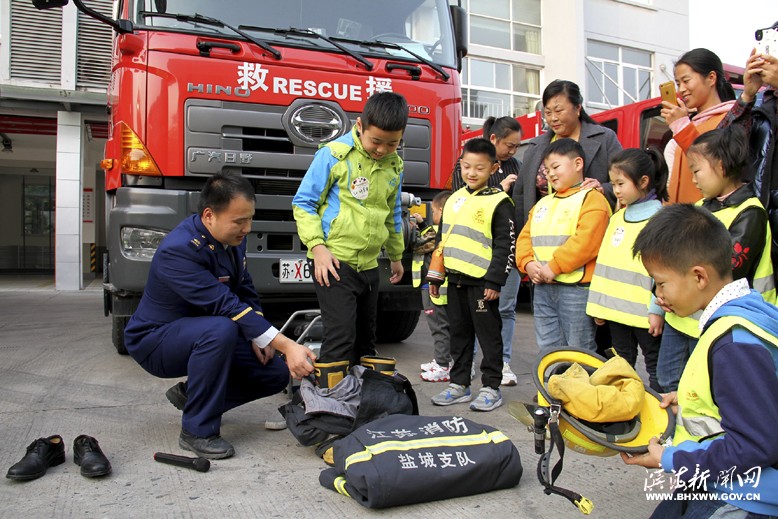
(546, 477)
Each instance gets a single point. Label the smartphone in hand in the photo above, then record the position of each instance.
(667, 91)
(767, 41)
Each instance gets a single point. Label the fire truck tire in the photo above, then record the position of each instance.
(117, 333)
(396, 326)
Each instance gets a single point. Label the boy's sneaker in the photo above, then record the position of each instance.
(429, 366)
(487, 400)
(508, 377)
(439, 374)
(453, 394)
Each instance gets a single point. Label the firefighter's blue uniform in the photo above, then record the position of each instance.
(197, 317)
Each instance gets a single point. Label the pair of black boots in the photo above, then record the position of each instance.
(49, 452)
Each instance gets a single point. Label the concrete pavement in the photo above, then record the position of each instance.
(59, 374)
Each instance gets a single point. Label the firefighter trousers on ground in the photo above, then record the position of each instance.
(315, 414)
(401, 460)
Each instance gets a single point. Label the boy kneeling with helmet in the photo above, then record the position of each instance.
(727, 398)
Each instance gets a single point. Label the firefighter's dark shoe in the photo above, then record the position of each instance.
(177, 395)
(385, 365)
(213, 447)
(328, 374)
(41, 454)
(88, 455)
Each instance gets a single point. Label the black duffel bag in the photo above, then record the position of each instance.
(401, 460)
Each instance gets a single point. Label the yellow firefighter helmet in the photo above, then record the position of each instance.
(601, 439)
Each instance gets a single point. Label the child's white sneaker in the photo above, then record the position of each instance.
(429, 366)
(439, 374)
(508, 377)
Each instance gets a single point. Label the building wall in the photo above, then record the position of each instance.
(660, 27)
(563, 41)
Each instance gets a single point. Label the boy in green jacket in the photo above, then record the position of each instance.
(347, 208)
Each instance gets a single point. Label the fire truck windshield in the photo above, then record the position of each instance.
(422, 27)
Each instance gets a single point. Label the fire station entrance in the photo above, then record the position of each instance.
(37, 180)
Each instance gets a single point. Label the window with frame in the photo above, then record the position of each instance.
(617, 75)
(505, 24)
(492, 88)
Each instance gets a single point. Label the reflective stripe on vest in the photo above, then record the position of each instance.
(416, 265)
(467, 229)
(620, 290)
(554, 220)
(763, 281)
(698, 415)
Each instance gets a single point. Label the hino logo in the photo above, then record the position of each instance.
(208, 88)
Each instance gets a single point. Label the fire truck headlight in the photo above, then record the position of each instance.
(140, 244)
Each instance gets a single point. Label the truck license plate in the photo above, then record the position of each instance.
(294, 271)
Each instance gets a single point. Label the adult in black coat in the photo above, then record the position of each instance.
(565, 116)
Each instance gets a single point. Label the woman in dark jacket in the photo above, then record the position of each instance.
(565, 116)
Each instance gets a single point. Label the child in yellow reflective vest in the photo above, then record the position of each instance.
(724, 456)
(438, 369)
(558, 246)
(620, 292)
(477, 236)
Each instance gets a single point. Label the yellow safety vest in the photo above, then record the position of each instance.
(554, 220)
(698, 415)
(467, 230)
(417, 264)
(620, 290)
(764, 283)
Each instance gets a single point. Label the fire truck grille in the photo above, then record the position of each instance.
(273, 215)
(274, 173)
(274, 145)
(265, 139)
(274, 186)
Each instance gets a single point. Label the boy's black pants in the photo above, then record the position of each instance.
(470, 316)
(349, 309)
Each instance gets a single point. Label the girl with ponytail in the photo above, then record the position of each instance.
(620, 292)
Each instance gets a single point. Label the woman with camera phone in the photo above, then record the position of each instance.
(704, 98)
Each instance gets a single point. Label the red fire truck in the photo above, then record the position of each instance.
(254, 87)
